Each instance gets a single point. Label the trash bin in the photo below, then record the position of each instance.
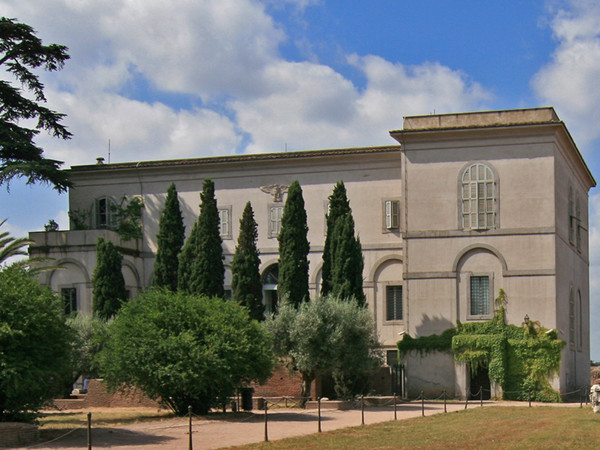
(247, 398)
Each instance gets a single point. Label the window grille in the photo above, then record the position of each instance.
(480, 295)
(394, 302)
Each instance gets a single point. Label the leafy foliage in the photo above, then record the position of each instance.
(128, 214)
(201, 268)
(327, 336)
(34, 344)
(89, 335)
(10, 246)
(108, 284)
(20, 52)
(245, 281)
(339, 206)
(347, 261)
(185, 350)
(171, 233)
(293, 249)
(519, 359)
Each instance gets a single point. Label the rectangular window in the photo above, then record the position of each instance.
(393, 296)
(480, 295)
(69, 296)
(275, 213)
(392, 214)
(225, 222)
(102, 213)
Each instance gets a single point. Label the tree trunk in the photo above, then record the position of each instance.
(307, 379)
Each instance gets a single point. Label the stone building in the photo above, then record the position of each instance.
(466, 204)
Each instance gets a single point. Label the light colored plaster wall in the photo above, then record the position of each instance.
(573, 275)
(431, 373)
(522, 161)
(432, 307)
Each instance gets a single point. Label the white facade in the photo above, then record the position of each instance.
(465, 205)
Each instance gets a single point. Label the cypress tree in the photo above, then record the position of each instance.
(338, 206)
(108, 284)
(186, 260)
(348, 263)
(171, 232)
(245, 281)
(293, 248)
(208, 271)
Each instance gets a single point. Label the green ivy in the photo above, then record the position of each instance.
(519, 359)
(129, 214)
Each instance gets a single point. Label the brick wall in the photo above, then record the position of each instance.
(283, 383)
(98, 396)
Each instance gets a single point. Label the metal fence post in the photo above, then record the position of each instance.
(444, 394)
(395, 408)
(266, 426)
(481, 396)
(319, 408)
(422, 404)
(190, 441)
(89, 430)
(362, 409)
(529, 396)
(467, 400)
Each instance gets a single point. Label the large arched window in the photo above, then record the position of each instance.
(479, 197)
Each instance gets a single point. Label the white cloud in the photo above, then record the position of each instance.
(138, 130)
(226, 53)
(570, 80)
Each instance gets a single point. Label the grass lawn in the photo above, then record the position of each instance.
(100, 418)
(489, 428)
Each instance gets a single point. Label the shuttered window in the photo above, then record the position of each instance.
(478, 197)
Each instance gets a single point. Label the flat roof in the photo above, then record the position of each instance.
(237, 158)
(481, 119)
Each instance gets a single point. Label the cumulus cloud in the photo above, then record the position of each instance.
(133, 62)
(570, 80)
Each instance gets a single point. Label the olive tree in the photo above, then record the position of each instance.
(327, 336)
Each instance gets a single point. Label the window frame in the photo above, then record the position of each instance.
(225, 233)
(473, 192)
(490, 313)
(73, 305)
(110, 219)
(388, 286)
(272, 233)
(390, 215)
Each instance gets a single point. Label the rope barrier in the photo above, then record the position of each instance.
(55, 439)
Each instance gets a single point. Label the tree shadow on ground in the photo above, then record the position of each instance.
(101, 437)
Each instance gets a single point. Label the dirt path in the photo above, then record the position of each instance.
(211, 434)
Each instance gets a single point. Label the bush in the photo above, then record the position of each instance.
(34, 345)
(185, 350)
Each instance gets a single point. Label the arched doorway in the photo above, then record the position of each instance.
(270, 278)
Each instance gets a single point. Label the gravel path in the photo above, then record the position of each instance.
(211, 434)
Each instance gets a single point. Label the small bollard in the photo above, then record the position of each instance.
(266, 424)
(467, 400)
(319, 409)
(395, 408)
(422, 404)
(89, 430)
(190, 441)
(481, 396)
(529, 396)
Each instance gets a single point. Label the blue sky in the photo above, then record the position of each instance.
(189, 78)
